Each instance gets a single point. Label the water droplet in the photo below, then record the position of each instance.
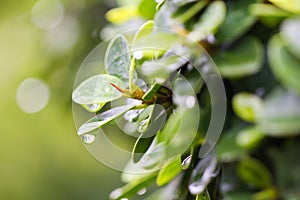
(142, 191)
(190, 101)
(186, 162)
(32, 95)
(93, 107)
(88, 138)
(131, 115)
(211, 39)
(196, 188)
(138, 55)
(143, 125)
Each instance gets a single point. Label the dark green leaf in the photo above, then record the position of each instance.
(238, 21)
(243, 59)
(209, 22)
(254, 173)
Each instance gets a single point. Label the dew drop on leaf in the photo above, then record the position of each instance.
(186, 162)
(93, 107)
(142, 191)
(87, 138)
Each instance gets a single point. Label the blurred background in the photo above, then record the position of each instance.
(42, 44)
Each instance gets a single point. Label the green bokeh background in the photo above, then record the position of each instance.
(41, 156)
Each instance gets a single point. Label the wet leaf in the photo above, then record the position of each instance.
(196, 8)
(168, 171)
(103, 118)
(117, 58)
(209, 22)
(132, 188)
(243, 59)
(97, 89)
(284, 65)
(254, 173)
(247, 106)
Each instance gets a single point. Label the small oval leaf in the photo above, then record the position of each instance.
(117, 58)
(210, 21)
(243, 59)
(254, 173)
(247, 106)
(97, 89)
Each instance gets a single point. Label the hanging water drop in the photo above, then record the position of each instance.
(94, 107)
(196, 188)
(186, 162)
(142, 191)
(143, 125)
(88, 138)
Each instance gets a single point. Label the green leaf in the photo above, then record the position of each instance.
(228, 150)
(243, 59)
(247, 106)
(169, 170)
(93, 107)
(144, 30)
(237, 22)
(97, 89)
(132, 188)
(161, 68)
(117, 58)
(249, 138)
(151, 92)
(284, 65)
(254, 173)
(150, 121)
(147, 8)
(203, 196)
(280, 115)
(188, 14)
(210, 21)
(268, 14)
(290, 5)
(154, 155)
(289, 30)
(103, 118)
(121, 14)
